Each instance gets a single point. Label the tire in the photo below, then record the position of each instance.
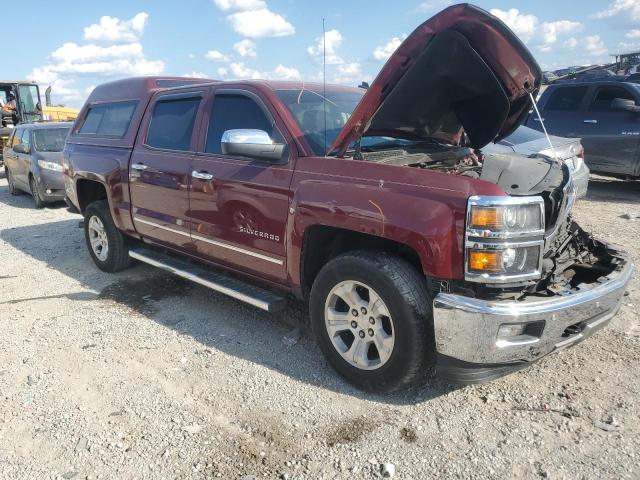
(13, 190)
(35, 193)
(405, 335)
(100, 229)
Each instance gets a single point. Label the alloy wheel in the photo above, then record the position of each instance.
(98, 238)
(359, 325)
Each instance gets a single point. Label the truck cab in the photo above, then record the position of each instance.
(604, 114)
(413, 248)
(28, 107)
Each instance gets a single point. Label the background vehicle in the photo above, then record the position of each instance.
(529, 142)
(411, 248)
(604, 115)
(33, 161)
(28, 106)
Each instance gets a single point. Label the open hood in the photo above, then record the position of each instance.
(461, 69)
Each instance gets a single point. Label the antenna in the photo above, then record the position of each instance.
(324, 82)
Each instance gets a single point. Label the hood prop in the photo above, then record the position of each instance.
(544, 129)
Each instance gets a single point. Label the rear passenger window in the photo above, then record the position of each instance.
(605, 96)
(566, 99)
(172, 124)
(232, 112)
(111, 120)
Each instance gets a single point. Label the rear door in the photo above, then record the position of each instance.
(611, 137)
(562, 111)
(239, 206)
(160, 168)
(10, 157)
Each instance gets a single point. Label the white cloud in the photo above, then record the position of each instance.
(240, 71)
(216, 56)
(383, 52)
(191, 56)
(333, 40)
(196, 74)
(594, 45)
(633, 33)
(631, 8)
(113, 50)
(524, 26)
(114, 30)
(253, 19)
(542, 35)
(239, 5)
(349, 73)
(260, 24)
(286, 73)
(571, 43)
(245, 48)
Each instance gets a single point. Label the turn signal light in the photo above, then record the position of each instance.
(484, 261)
(486, 217)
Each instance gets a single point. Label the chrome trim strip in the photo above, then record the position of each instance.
(213, 242)
(201, 281)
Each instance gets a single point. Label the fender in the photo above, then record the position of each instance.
(421, 209)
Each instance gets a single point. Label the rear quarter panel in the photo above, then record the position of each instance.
(108, 166)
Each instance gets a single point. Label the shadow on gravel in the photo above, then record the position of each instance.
(214, 320)
(614, 190)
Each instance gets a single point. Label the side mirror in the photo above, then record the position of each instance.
(624, 105)
(251, 143)
(21, 148)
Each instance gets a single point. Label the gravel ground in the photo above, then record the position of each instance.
(142, 375)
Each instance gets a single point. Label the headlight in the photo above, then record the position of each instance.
(56, 167)
(504, 239)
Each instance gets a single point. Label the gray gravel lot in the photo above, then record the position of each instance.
(142, 375)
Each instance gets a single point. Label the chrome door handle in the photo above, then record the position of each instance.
(139, 166)
(202, 175)
(590, 121)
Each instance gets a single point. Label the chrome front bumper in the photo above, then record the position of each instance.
(467, 329)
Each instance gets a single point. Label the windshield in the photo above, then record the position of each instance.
(309, 107)
(29, 100)
(50, 140)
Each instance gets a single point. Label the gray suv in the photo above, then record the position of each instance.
(605, 115)
(33, 161)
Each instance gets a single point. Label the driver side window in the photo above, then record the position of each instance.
(230, 112)
(25, 138)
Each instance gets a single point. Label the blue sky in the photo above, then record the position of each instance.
(79, 44)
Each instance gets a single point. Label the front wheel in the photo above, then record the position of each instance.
(35, 193)
(372, 317)
(107, 246)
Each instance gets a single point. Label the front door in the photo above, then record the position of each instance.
(611, 137)
(239, 205)
(23, 160)
(160, 168)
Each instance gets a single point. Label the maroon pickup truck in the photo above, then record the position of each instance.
(413, 248)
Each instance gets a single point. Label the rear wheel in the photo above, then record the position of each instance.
(107, 246)
(371, 315)
(35, 192)
(13, 190)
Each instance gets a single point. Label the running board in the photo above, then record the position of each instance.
(232, 287)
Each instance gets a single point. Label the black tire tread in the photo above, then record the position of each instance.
(411, 285)
(118, 258)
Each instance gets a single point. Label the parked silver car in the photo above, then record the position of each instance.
(527, 141)
(33, 161)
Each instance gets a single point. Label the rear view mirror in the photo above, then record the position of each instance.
(21, 148)
(251, 143)
(624, 105)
